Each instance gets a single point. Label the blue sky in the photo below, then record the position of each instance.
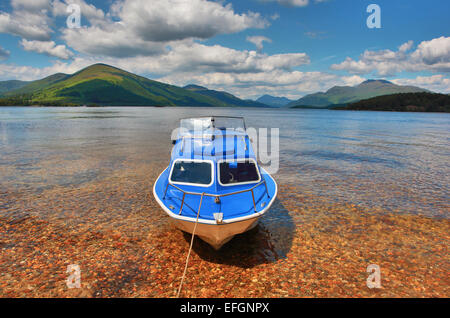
(247, 47)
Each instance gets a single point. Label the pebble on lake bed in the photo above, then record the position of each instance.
(303, 247)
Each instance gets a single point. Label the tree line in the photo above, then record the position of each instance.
(408, 102)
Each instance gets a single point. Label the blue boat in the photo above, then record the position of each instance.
(213, 183)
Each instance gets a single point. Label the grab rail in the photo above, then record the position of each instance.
(216, 195)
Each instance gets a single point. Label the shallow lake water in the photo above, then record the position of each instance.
(91, 170)
(396, 161)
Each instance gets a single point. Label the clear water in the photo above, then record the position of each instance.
(393, 162)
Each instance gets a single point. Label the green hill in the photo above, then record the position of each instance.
(226, 98)
(349, 94)
(408, 102)
(35, 86)
(102, 84)
(6, 86)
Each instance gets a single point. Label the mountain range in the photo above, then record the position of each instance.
(101, 84)
(226, 98)
(349, 94)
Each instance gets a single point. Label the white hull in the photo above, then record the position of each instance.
(209, 230)
(216, 235)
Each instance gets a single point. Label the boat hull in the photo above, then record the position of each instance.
(216, 235)
(209, 230)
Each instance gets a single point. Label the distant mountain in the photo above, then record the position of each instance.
(407, 102)
(274, 101)
(6, 86)
(102, 84)
(226, 98)
(349, 94)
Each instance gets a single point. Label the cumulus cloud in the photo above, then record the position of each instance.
(168, 20)
(433, 55)
(435, 83)
(89, 12)
(189, 57)
(406, 46)
(4, 54)
(27, 73)
(292, 84)
(47, 47)
(11, 24)
(194, 62)
(137, 27)
(110, 40)
(29, 20)
(30, 5)
(258, 41)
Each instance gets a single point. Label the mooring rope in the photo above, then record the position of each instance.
(190, 248)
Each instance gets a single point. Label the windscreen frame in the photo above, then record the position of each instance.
(238, 183)
(210, 162)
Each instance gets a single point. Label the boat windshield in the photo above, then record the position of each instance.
(191, 172)
(210, 123)
(238, 172)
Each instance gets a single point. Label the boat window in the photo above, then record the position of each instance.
(234, 172)
(192, 172)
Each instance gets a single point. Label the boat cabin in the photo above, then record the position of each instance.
(213, 152)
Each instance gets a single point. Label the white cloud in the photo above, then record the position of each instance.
(31, 5)
(207, 59)
(168, 20)
(433, 55)
(406, 46)
(139, 28)
(25, 73)
(88, 11)
(258, 41)
(21, 26)
(47, 47)
(29, 19)
(4, 54)
(110, 40)
(292, 84)
(192, 57)
(435, 83)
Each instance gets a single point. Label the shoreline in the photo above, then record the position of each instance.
(231, 107)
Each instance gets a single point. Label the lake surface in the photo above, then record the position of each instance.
(389, 161)
(355, 188)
